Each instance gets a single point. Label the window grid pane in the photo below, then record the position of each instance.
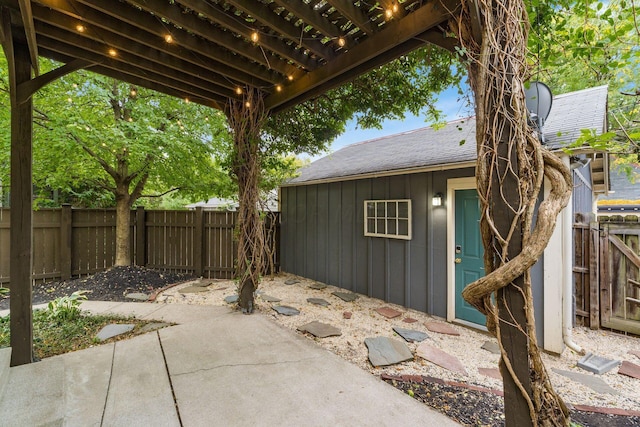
(388, 218)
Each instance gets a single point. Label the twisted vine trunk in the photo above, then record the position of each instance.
(510, 171)
(246, 118)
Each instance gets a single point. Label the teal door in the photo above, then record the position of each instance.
(469, 252)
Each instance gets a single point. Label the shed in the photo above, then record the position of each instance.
(396, 217)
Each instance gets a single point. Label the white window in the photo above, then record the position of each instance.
(388, 218)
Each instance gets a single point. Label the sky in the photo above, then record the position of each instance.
(449, 102)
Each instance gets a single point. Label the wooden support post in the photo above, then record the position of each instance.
(198, 242)
(65, 241)
(594, 278)
(141, 241)
(510, 299)
(21, 228)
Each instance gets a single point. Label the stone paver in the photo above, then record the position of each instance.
(113, 330)
(269, 298)
(318, 301)
(317, 286)
(286, 310)
(137, 296)
(194, 289)
(491, 346)
(409, 320)
(441, 328)
(440, 358)
(388, 312)
(345, 296)
(291, 282)
(231, 299)
(385, 351)
(636, 353)
(491, 372)
(347, 315)
(411, 335)
(594, 383)
(629, 369)
(597, 364)
(320, 330)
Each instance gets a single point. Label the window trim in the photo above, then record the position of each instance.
(409, 219)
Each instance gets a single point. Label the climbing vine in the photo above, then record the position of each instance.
(510, 172)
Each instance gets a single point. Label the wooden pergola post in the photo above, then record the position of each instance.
(21, 233)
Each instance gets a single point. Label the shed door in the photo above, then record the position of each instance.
(469, 252)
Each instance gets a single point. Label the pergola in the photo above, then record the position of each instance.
(211, 52)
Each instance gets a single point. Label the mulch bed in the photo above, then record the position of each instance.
(473, 406)
(110, 285)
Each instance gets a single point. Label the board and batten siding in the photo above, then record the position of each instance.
(323, 238)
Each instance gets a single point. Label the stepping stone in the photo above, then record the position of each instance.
(347, 315)
(629, 369)
(291, 281)
(594, 383)
(222, 288)
(597, 364)
(137, 296)
(113, 330)
(635, 353)
(491, 347)
(318, 301)
(193, 289)
(201, 283)
(286, 310)
(345, 296)
(441, 328)
(440, 358)
(231, 299)
(388, 312)
(410, 335)
(385, 351)
(320, 330)
(491, 373)
(317, 286)
(150, 327)
(409, 320)
(269, 298)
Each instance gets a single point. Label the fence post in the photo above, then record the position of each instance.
(605, 306)
(65, 241)
(141, 241)
(594, 276)
(198, 242)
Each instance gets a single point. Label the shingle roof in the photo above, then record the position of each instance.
(430, 148)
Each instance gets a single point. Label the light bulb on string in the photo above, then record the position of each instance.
(80, 28)
(239, 90)
(341, 41)
(168, 38)
(278, 88)
(113, 52)
(388, 13)
(254, 37)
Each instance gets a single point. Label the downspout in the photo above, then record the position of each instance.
(567, 273)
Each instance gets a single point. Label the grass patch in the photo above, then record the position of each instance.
(53, 336)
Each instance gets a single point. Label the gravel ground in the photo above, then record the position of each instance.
(365, 322)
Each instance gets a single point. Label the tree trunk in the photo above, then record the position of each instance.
(123, 223)
(246, 117)
(510, 172)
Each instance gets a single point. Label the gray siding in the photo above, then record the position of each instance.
(582, 191)
(323, 239)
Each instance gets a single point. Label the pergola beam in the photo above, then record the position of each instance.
(386, 44)
(353, 14)
(27, 22)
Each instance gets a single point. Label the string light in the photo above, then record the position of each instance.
(75, 86)
(80, 28)
(133, 92)
(168, 38)
(254, 37)
(290, 77)
(186, 100)
(130, 120)
(239, 90)
(395, 8)
(341, 41)
(69, 100)
(247, 104)
(388, 13)
(113, 52)
(278, 88)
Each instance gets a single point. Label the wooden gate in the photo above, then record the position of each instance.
(620, 276)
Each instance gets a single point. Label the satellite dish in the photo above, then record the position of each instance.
(539, 100)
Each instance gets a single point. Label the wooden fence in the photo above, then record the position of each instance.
(607, 273)
(77, 242)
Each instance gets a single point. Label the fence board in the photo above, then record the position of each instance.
(78, 242)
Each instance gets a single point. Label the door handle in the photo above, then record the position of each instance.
(458, 260)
